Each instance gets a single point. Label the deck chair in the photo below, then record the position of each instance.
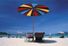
(29, 36)
(39, 36)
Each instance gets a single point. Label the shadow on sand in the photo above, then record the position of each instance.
(44, 41)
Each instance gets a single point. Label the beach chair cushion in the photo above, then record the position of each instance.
(29, 35)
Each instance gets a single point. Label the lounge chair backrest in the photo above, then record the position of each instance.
(29, 35)
(39, 34)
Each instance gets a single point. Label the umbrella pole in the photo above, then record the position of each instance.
(33, 27)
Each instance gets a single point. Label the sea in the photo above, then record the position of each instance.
(56, 36)
(46, 36)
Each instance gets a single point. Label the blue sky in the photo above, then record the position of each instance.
(55, 21)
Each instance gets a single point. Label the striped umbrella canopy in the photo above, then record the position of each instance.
(32, 9)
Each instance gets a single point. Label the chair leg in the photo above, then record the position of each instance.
(38, 39)
(33, 39)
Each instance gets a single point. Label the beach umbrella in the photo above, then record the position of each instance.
(32, 10)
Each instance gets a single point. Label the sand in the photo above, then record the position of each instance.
(23, 42)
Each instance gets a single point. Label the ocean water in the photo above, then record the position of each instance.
(56, 36)
(46, 36)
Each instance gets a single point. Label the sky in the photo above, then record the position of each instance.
(54, 21)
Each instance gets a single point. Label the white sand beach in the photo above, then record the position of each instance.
(23, 42)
